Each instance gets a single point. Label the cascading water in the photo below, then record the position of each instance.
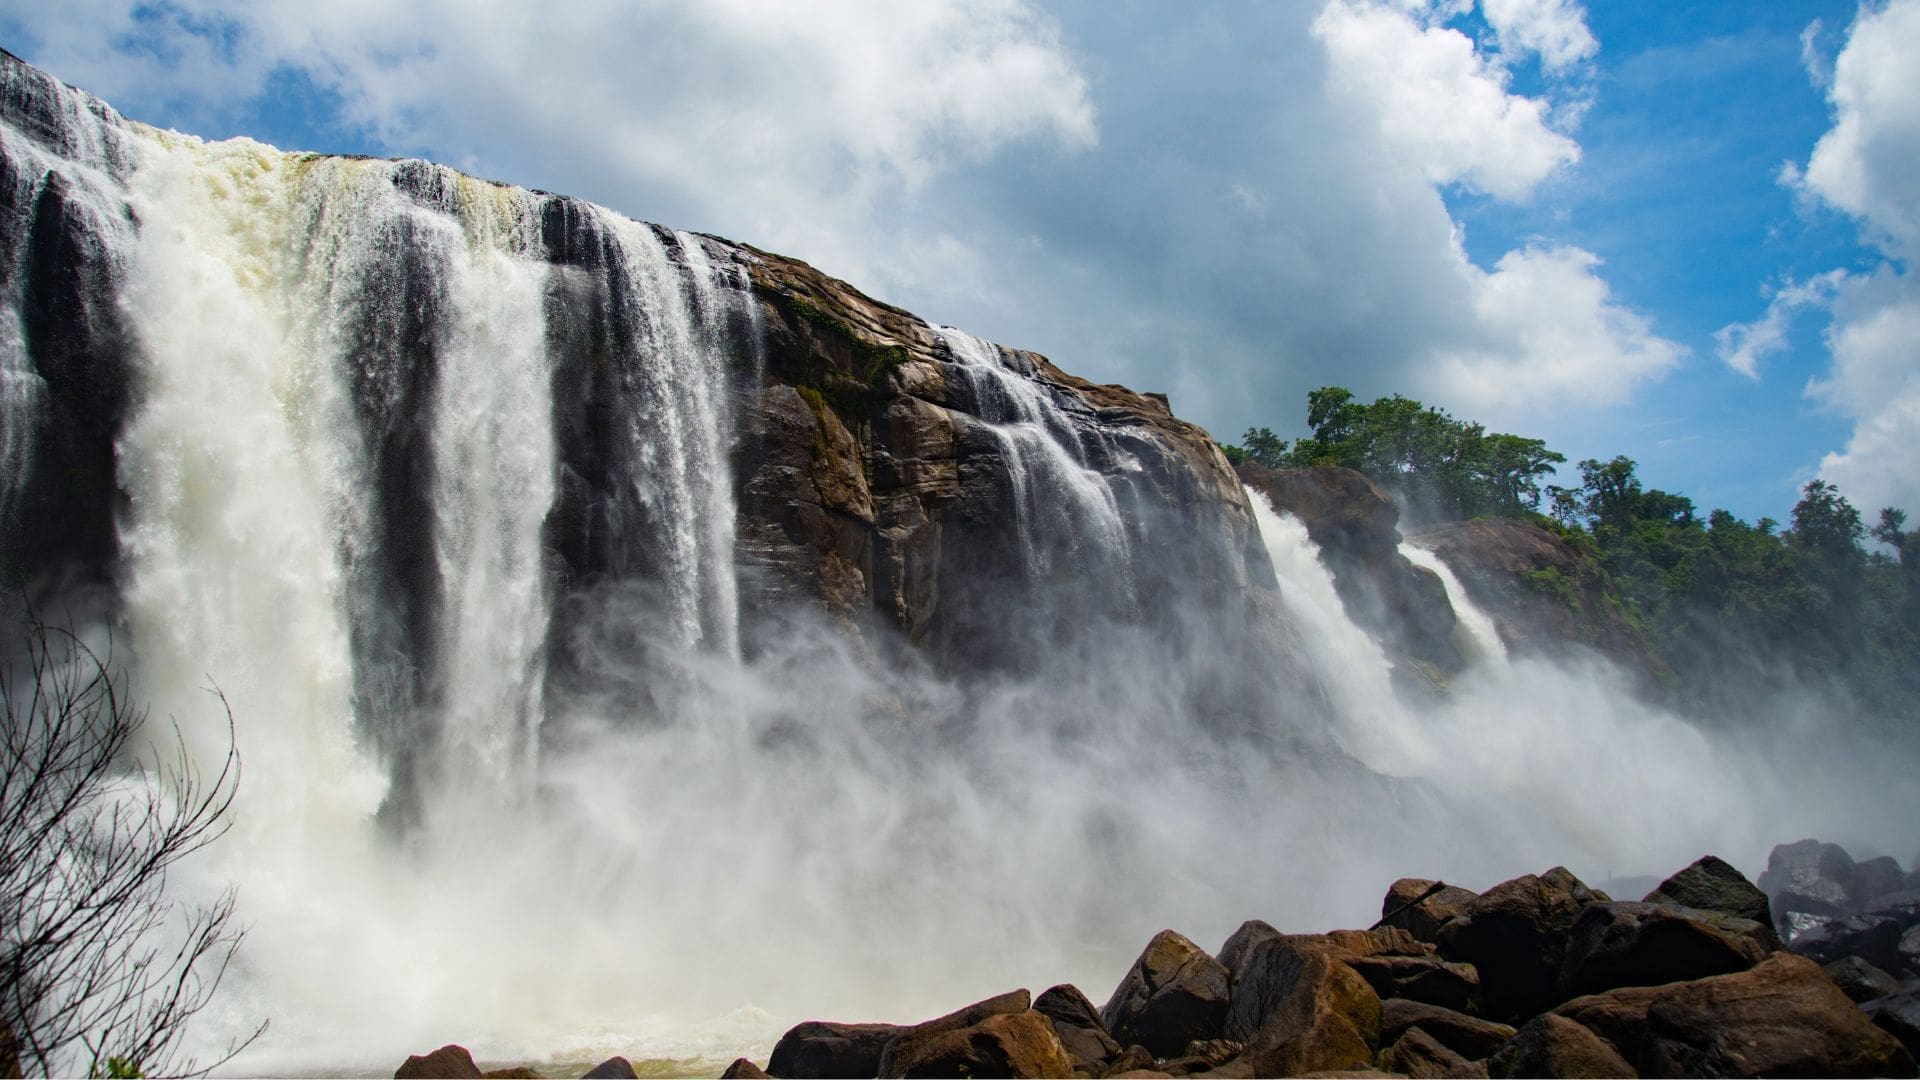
(430, 477)
(1481, 638)
(1056, 492)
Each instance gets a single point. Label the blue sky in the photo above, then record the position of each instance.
(1563, 221)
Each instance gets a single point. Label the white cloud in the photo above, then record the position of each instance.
(1549, 328)
(1741, 346)
(1439, 104)
(809, 114)
(1556, 30)
(1865, 166)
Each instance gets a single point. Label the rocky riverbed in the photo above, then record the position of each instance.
(1815, 971)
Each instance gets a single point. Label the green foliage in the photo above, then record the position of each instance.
(1446, 468)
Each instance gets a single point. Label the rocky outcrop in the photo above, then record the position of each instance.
(874, 471)
(1686, 991)
(1354, 523)
(1543, 593)
(450, 1062)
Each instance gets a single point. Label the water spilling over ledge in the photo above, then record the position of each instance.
(638, 639)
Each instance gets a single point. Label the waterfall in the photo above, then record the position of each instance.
(431, 478)
(1476, 636)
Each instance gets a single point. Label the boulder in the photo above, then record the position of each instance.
(614, 1068)
(1003, 1044)
(1898, 1015)
(1297, 1007)
(1397, 964)
(1618, 1016)
(518, 1072)
(744, 1069)
(1874, 878)
(1174, 993)
(1712, 884)
(1783, 1017)
(1133, 1059)
(1420, 906)
(1860, 980)
(1873, 938)
(822, 1048)
(1469, 1036)
(1419, 1054)
(1910, 951)
(450, 1062)
(1009, 1003)
(1624, 943)
(1552, 1045)
(1807, 878)
(1078, 1026)
(1515, 936)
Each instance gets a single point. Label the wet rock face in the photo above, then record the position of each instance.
(1354, 523)
(1516, 935)
(1542, 594)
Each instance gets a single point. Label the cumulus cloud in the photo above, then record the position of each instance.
(810, 114)
(1439, 103)
(1864, 166)
(1549, 326)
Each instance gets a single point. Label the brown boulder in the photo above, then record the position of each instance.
(1468, 1036)
(1003, 1044)
(1623, 943)
(1898, 1015)
(1174, 993)
(614, 1068)
(1860, 980)
(450, 1062)
(1515, 936)
(1618, 1016)
(1419, 1054)
(518, 1072)
(1552, 1045)
(823, 1048)
(1421, 907)
(1783, 1017)
(1296, 1006)
(1712, 884)
(1078, 1026)
(744, 1069)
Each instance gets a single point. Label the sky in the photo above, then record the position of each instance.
(1680, 232)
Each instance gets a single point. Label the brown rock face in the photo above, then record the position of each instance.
(1354, 523)
(1782, 1018)
(877, 480)
(450, 1062)
(1174, 994)
(743, 1069)
(1542, 594)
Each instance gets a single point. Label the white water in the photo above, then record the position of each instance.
(1055, 491)
(799, 834)
(1475, 635)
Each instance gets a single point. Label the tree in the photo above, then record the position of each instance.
(1262, 447)
(99, 967)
